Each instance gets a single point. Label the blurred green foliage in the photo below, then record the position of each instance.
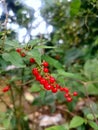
(73, 56)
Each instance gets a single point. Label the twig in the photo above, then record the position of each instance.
(4, 102)
(13, 100)
(66, 110)
(23, 84)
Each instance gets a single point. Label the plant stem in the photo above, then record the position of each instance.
(13, 100)
(4, 102)
(66, 110)
(21, 89)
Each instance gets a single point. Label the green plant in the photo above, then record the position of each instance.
(64, 73)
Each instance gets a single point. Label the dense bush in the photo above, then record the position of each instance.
(61, 69)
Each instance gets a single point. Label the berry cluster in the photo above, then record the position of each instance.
(43, 76)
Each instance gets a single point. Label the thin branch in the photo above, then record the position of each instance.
(66, 110)
(7, 105)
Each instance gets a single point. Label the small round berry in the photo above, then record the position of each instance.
(54, 89)
(62, 89)
(23, 54)
(38, 77)
(42, 81)
(32, 60)
(58, 86)
(46, 70)
(18, 50)
(66, 95)
(35, 71)
(45, 64)
(69, 99)
(5, 89)
(66, 90)
(52, 79)
(47, 86)
(75, 94)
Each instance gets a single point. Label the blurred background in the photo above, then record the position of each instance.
(71, 27)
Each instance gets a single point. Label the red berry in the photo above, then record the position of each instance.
(58, 86)
(66, 95)
(66, 90)
(7, 88)
(23, 54)
(69, 99)
(42, 81)
(54, 89)
(35, 71)
(75, 94)
(45, 64)
(47, 86)
(52, 79)
(38, 77)
(62, 89)
(46, 70)
(18, 50)
(32, 60)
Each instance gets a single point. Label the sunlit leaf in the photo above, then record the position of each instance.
(56, 128)
(14, 58)
(76, 121)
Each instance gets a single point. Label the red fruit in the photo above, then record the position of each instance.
(38, 77)
(66, 90)
(62, 89)
(45, 64)
(7, 88)
(46, 70)
(54, 89)
(47, 86)
(69, 99)
(58, 86)
(52, 79)
(75, 94)
(18, 50)
(66, 95)
(35, 71)
(42, 81)
(23, 54)
(32, 60)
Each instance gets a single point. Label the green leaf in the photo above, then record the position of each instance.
(76, 121)
(93, 125)
(36, 54)
(75, 6)
(12, 43)
(69, 75)
(52, 62)
(91, 69)
(91, 117)
(43, 46)
(6, 123)
(35, 88)
(14, 58)
(56, 128)
(42, 94)
(92, 90)
(72, 54)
